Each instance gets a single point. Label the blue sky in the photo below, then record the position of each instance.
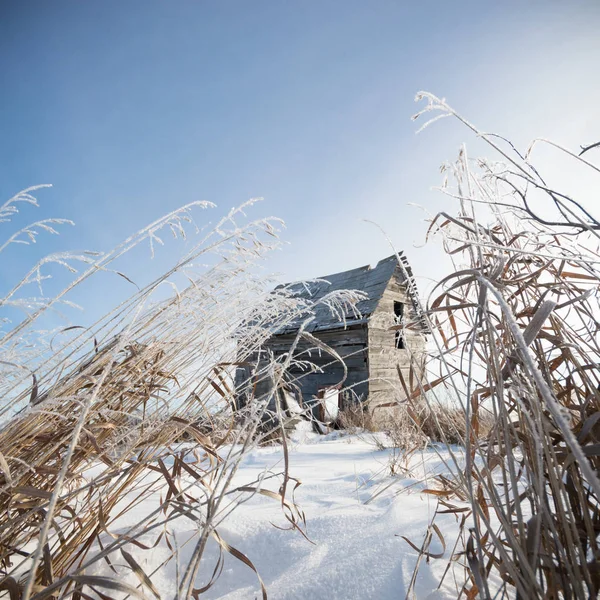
(131, 109)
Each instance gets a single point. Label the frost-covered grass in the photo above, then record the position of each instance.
(115, 398)
(516, 335)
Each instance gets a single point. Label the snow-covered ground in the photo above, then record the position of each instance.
(356, 512)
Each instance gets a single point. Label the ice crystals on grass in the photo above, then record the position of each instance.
(9, 208)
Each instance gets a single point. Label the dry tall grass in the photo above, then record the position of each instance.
(93, 466)
(516, 328)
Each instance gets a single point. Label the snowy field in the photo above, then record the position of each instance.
(356, 512)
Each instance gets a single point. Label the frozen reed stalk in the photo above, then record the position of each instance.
(115, 434)
(516, 330)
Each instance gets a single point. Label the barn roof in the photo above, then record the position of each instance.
(370, 280)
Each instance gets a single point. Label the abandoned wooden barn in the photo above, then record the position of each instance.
(388, 334)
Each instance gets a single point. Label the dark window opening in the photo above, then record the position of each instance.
(399, 314)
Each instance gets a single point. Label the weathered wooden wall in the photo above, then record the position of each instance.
(350, 344)
(383, 356)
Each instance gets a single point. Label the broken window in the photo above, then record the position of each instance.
(399, 315)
